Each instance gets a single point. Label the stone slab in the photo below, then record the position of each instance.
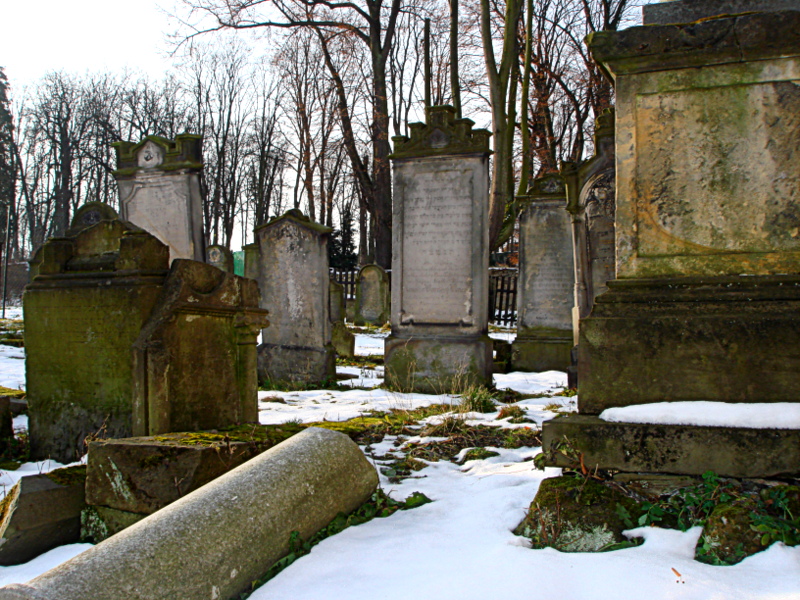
(543, 350)
(216, 541)
(144, 474)
(372, 296)
(292, 364)
(686, 11)
(678, 449)
(99, 523)
(718, 339)
(39, 514)
(344, 342)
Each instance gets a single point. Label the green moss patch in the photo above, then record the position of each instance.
(68, 476)
(12, 393)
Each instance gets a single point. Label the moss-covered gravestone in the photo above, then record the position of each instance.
(440, 257)
(91, 293)
(195, 358)
(159, 190)
(372, 296)
(295, 284)
(545, 293)
(706, 298)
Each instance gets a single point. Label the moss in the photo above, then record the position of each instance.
(479, 454)
(573, 514)
(4, 391)
(68, 476)
(728, 536)
(10, 465)
(7, 501)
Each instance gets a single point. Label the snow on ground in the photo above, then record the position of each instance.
(772, 415)
(12, 367)
(460, 546)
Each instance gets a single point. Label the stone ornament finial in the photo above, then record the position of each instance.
(443, 134)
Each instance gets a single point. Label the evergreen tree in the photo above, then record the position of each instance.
(341, 246)
(8, 169)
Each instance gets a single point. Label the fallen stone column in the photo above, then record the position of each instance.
(213, 543)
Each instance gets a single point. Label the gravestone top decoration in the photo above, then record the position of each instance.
(90, 214)
(220, 257)
(443, 134)
(185, 152)
(687, 11)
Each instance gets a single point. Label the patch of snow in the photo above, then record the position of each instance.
(12, 367)
(9, 478)
(25, 572)
(767, 415)
(531, 383)
(370, 343)
(364, 377)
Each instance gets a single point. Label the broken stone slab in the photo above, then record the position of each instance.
(216, 541)
(41, 512)
(144, 474)
(680, 449)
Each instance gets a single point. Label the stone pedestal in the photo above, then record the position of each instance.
(92, 292)
(439, 340)
(706, 301)
(372, 296)
(159, 190)
(545, 289)
(294, 282)
(195, 358)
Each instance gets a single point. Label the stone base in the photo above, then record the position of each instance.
(732, 339)
(545, 350)
(679, 449)
(144, 474)
(438, 365)
(343, 341)
(294, 364)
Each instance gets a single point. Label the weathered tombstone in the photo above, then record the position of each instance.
(372, 296)
(195, 358)
(707, 291)
(343, 341)
(294, 283)
(159, 190)
(545, 290)
(251, 261)
(214, 542)
(92, 292)
(590, 200)
(440, 261)
(220, 257)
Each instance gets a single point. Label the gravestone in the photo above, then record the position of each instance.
(251, 261)
(440, 259)
(545, 293)
(92, 292)
(159, 190)
(707, 291)
(195, 358)
(294, 283)
(343, 341)
(372, 296)
(220, 257)
(591, 201)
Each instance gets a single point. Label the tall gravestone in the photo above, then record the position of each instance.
(159, 191)
(343, 341)
(545, 288)
(440, 259)
(294, 283)
(591, 191)
(372, 296)
(91, 293)
(706, 298)
(195, 357)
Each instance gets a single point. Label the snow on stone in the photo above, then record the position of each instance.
(772, 415)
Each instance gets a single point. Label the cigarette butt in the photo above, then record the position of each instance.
(676, 572)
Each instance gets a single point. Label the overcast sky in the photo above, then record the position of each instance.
(82, 35)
